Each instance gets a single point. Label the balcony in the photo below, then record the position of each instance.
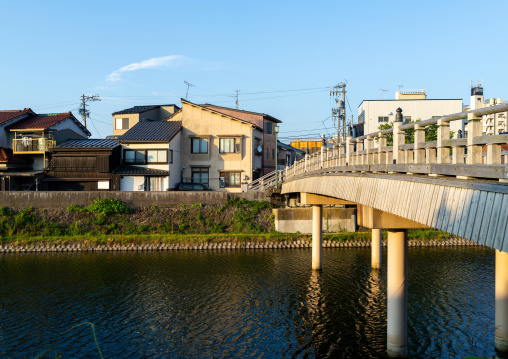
(32, 145)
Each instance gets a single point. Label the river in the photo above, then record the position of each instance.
(241, 304)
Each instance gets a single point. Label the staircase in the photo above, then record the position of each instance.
(266, 182)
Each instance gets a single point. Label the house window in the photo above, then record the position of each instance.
(230, 179)
(157, 156)
(122, 123)
(273, 154)
(131, 156)
(267, 153)
(382, 119)
(269, 127)
(407, 119)
(257, 146)
(145, 156)
(199, 145)
(200, 175)
(229, 145)
(170, 156)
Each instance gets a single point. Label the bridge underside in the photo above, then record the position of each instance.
(475, 210)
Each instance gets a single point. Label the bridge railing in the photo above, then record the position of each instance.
(475, 156)
(266, 182)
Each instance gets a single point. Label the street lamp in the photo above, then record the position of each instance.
(276, 131)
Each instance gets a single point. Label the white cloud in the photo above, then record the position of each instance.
(164, 61)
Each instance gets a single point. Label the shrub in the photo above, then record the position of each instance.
(4, 211)
(106, 206)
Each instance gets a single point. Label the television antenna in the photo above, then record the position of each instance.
(383, 92)
(188, 85)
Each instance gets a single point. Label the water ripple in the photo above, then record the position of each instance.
(256, 304)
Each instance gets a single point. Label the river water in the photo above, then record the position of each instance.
(241, 304)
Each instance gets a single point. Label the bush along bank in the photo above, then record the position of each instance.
(109, 223)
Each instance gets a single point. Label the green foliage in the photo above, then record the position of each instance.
(75, 208)
(430, 133)
(107, 206)
(25, 216)
(4, 211)
(154, 209)
(144, 228)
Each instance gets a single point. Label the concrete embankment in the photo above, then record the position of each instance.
(46, 248)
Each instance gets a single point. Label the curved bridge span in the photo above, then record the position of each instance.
(475, 210)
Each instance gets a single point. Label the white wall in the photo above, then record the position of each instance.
(417, 109)
(175, 168)
(128, 183)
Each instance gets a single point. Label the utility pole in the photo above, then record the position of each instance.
(83, 110)
(188, 85)
(339, 112)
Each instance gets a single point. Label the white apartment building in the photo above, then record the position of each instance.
(492, 124)
(415, 106)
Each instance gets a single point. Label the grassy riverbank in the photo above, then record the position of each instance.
(108, 221)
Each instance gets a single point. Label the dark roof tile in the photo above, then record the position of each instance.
(139, 171)
(152, 131)
(89, 143)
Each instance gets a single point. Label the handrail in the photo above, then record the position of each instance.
(475, 156)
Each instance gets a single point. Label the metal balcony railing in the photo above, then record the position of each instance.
(32, 145)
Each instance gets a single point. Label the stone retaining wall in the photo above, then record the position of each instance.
(44, 248)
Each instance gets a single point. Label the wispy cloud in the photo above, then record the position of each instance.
(156, 62)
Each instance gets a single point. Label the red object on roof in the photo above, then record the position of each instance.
(9, 115)
(40, 121)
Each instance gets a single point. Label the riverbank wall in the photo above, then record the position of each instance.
(56, 199)
(216, 246)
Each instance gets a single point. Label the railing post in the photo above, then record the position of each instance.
(322, 155)
(360, 159)
(474, 129)
(419, 138)
(306, 160)
(493, 154)
(443, 133)
(398, 138)
(370, 159)
(349, 150)
(381, 154)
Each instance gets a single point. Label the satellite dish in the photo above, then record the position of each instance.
(260, 149)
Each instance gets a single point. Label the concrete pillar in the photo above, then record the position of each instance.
(317, 236)
(397, 294)
(376, 246)
(501, 321)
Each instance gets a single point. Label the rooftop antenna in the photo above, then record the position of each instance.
(188, 85)
(383, 92)
(237, 102)
(400, 86)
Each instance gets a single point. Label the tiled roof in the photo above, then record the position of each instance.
(152, 131)
(40, 121)
(139, 171)
(139, 109)
(288, 147)
(9, 115)
(7, 156)
(89, 143)
(244, 111)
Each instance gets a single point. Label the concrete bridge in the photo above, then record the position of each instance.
(454, 185)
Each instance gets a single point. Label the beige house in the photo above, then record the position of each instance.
(217, 149)
(126, 119)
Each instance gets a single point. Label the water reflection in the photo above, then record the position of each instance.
(242, 304)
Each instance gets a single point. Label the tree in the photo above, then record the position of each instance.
(430, 133)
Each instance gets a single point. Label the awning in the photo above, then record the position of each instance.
(139, 171)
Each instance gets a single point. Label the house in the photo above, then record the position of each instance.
(124, 120)
(492, 124)
(83, 165)
(309, 145)
(267, 143)
(33, 136)
(415, 106)
(150, 156)
(220, 149)
(287, 155)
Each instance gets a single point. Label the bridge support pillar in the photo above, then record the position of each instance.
(501, 321)
(397, 294)
(317, 236)
(376, 245)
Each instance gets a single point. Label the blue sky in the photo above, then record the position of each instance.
(138, 53)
